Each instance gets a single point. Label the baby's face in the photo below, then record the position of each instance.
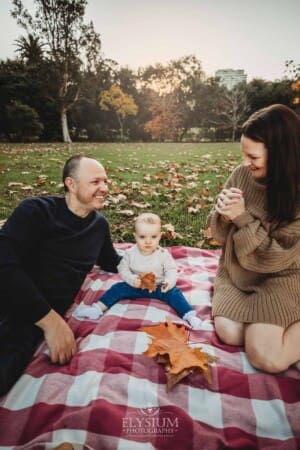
(147, 237)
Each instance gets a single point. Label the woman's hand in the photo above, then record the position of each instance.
(230, 203)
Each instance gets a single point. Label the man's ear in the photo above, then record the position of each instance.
(70, 183)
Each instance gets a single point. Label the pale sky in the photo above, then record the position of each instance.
(255, 35)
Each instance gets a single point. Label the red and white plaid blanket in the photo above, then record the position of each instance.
(111, 397)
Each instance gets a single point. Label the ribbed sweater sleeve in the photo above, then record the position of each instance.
(124, 270)
(219, 225)
(258, 251)
(258, 275)
(170, 269)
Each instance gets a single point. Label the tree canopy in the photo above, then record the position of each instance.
(64, 87)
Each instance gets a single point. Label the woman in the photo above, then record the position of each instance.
(256, 218)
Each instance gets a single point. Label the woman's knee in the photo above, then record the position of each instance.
(264, 347)
(229, 331)
(265, 358)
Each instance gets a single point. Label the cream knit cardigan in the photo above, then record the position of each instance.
(160, 262)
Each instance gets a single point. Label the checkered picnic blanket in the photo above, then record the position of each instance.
(112, 397)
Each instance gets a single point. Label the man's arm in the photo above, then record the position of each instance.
(108, 258)
(19, 240)
(59, 337)
(20, 295)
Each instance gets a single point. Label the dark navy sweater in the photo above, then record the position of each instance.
(45, 253)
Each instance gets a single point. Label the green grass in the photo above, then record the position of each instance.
(170, 178)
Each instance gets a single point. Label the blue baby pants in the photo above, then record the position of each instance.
(122, 290)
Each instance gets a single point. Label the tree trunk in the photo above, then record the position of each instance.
(64, 126)
(233, 133)
(121, 126)
(182, 134)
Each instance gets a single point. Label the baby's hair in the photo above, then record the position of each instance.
(147, 218)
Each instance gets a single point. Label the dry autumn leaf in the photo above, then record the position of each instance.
(126, 212)
(148, 281)
(14, 183)
(192, 210)
(169, 346)
(117, 198)
(140, 205)
(170, 232)
(207, 234)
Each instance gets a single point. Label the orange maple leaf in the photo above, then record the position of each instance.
(169, 346)
(148, 281)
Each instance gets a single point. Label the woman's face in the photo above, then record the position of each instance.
(255, 157)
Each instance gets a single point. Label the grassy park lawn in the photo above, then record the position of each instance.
(177, 181)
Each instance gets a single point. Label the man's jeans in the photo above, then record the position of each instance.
(18, 342)
(122, 290)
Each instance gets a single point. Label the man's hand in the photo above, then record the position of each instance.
(59, 337)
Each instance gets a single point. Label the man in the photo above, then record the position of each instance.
(47, 246)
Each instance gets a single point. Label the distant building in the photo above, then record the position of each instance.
(231, 77)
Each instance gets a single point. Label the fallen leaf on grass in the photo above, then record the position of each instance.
(140, 205)
(14, 183)
(170, 232)
(126, 212)
(117, 198)
(209, 239)
(169, 346)
(192, 210)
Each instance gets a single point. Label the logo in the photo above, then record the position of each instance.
(150, 421)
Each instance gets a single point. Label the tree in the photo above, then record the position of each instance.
(30, 49)
(233, 109)
(122, 104)
(23, 122)
(128, 81)
(165, 123)
(294, 72)
(206, 103)
(17, 96)
(296, 88)
(68, 42)
(176, 83)
(262, 93)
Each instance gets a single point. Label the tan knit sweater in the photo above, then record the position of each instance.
(258, 279)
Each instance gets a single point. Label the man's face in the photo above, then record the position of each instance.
(90, 185)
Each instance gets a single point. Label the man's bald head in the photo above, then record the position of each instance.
(72, 165)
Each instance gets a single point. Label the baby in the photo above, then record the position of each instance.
(146, 256)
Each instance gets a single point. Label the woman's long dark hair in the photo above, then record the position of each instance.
(278, 127)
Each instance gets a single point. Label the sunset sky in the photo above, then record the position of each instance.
(257, 36)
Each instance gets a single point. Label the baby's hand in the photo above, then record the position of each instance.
(165, 286)
(138, 283)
